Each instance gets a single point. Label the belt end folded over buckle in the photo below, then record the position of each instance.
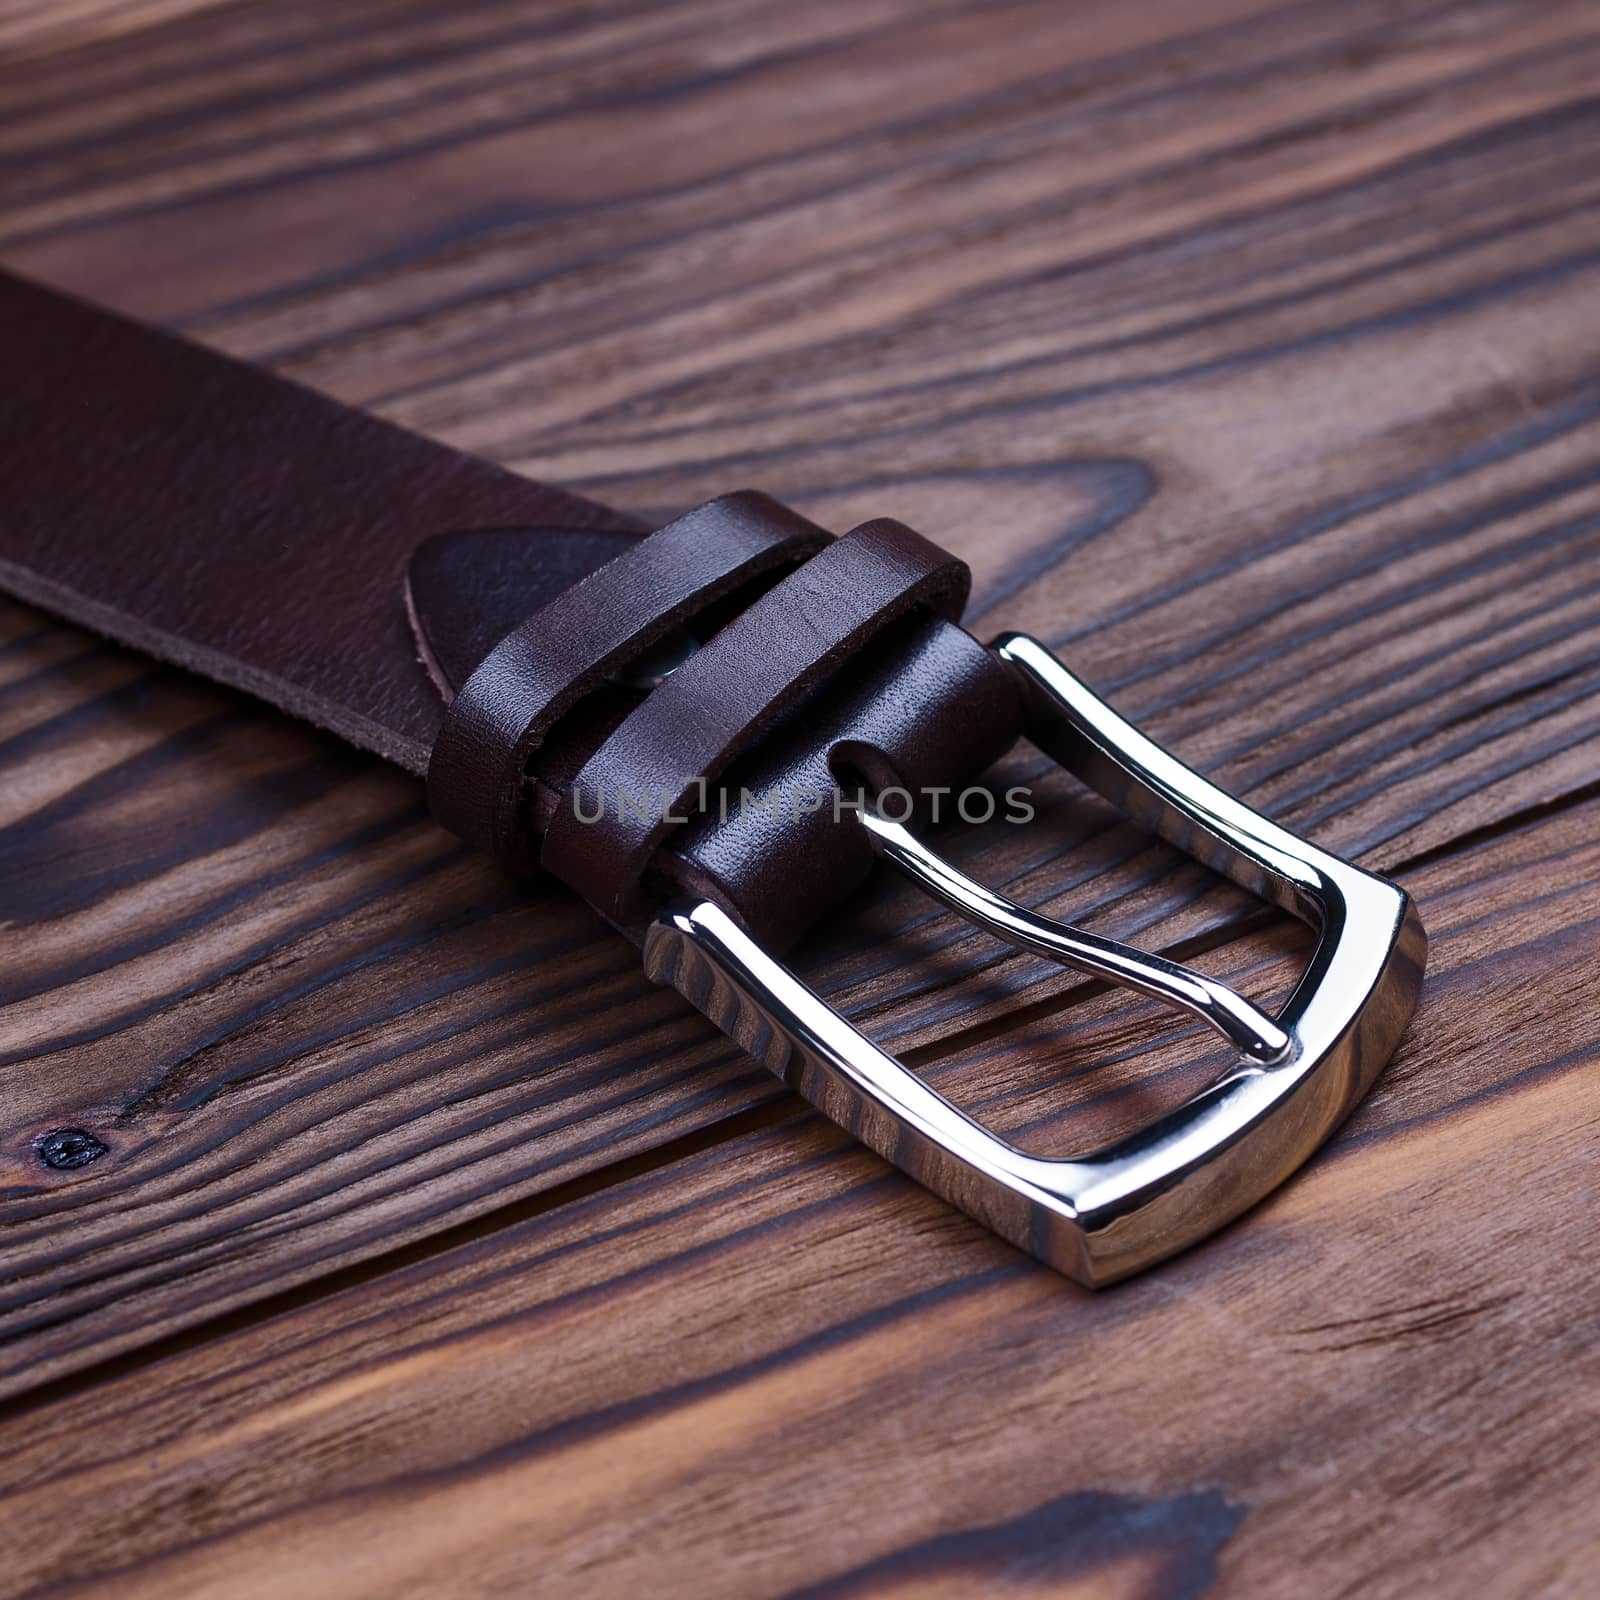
(1107, 1214)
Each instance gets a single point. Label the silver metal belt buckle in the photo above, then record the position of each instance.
(1101, 1216)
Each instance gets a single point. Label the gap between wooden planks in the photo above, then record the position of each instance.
(1379, 1380)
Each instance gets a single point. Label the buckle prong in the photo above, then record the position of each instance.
(1113, 1211)
(1249, 1030)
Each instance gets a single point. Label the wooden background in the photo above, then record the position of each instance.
(1250, 352)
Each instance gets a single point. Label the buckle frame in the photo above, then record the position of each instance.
(1104, 1215)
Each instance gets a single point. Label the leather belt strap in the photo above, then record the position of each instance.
(363, 578)
(591, 631)
(721, 700)
(235, 523)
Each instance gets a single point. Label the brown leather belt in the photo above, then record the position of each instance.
(667, 721)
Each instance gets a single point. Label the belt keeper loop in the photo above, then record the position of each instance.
(546, 665)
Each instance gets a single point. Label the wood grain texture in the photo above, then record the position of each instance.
(1243, 350)
(781, 1352)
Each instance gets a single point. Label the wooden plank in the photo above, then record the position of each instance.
(1378, 1381)
(1297, 461)
(29, 30)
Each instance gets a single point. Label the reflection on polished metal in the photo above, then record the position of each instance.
(1109, 1212)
